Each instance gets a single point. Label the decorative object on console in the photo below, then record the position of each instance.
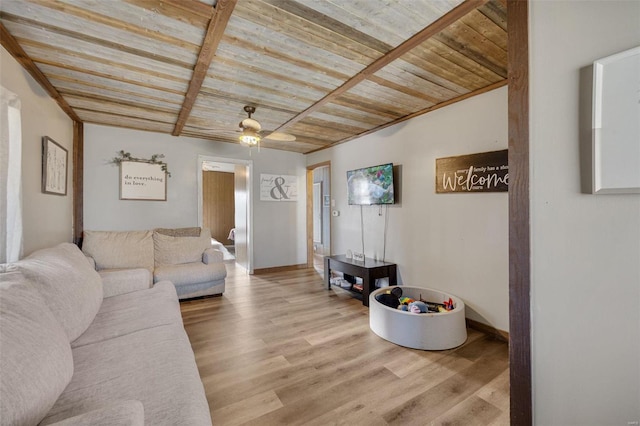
(358, 257)
(54, 167)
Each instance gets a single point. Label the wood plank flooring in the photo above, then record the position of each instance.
(281, 349)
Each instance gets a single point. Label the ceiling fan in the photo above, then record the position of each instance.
(251, 130)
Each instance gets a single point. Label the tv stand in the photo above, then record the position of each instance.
(369, 271)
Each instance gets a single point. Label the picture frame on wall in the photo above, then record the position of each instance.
(615, 128)
(278, 187)
(54, 167)
(141, 180)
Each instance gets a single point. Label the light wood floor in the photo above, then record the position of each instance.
(281, 349)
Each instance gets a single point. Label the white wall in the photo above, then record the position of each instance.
(585, 295)
(46, 218)
(278, 229)
(452, 242)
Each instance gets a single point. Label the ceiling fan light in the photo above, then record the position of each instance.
(249, 137)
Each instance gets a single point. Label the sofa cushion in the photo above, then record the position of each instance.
(36, 357)
(71, 289)
(212, 255)
(190, 273)
(119, 249)
(179, 250)
(179, 232)
(189, 291)
(131, 312)
(155, 366)
(126, 413)
(121, 281)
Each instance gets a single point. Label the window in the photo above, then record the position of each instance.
(10, 177)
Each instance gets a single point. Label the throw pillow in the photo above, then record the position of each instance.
(179, 250)
(119, 249)
(36, 357)
(179, 232)
(70, 287)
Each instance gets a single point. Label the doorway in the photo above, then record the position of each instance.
(224, 204)
(218, 202)
(318, 214)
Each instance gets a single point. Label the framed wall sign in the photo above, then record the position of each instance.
(142, 181)
(616, 123)
(482, 172)
(54, 167)
(278, 188)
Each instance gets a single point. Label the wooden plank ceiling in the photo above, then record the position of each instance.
(325, 71)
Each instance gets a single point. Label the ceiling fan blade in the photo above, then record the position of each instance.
(279, 136)
(250, 123)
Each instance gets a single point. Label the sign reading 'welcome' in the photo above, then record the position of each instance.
(484, 172)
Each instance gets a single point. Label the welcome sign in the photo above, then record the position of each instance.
(483, 172)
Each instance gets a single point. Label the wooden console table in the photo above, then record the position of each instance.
(369, 271)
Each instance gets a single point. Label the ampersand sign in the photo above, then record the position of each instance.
(278, 186)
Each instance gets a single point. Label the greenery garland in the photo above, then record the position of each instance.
(126, 156)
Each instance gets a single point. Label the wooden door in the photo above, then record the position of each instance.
(218, 204)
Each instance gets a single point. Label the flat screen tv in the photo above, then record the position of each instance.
(371, 185)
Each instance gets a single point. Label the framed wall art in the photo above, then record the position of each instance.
(278, 187)
(616, 123)
(140, 180)
(54, 167)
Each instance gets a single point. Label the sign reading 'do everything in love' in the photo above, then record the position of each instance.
(484, 172)
(140, 180)
(278, 188)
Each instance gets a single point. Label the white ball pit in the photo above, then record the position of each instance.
(428, 331)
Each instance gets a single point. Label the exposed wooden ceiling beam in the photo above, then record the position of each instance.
(12, 46)
(215, 30)
(445, 21)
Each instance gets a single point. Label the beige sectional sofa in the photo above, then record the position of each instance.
(71, 356)
(183, 256)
